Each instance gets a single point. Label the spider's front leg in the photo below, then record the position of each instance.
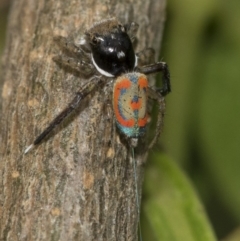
(80, 95)
(81, 66)
(66, 43)
(146, 56)
(81, 60)
(131, 30)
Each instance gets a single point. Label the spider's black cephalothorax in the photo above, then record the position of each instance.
(112, 50)
(106, 52)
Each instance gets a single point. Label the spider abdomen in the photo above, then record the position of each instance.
(130, 104)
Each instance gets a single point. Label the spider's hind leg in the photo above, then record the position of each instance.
(161, 111)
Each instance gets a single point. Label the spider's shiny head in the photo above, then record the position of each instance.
(111, 46)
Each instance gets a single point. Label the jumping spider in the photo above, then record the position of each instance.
(106, 52)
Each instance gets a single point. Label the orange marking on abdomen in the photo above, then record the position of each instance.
(123, 84)
(143, 82)
(136, 105)
(143, 122)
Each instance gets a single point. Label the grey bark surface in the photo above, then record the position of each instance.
(79, 183)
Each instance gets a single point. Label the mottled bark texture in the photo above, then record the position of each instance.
(79, 183)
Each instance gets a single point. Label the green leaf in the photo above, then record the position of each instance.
(171, 209)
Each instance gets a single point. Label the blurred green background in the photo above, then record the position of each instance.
(200, 168)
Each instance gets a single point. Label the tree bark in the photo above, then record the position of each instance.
(79, 183)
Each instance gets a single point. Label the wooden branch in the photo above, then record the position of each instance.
(79, 183)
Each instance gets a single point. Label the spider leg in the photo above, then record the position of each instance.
(80, 95)
(159, 67)
(161, 111)
(80, 66)
(146, 56)
(131, 30)
(71, 47)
